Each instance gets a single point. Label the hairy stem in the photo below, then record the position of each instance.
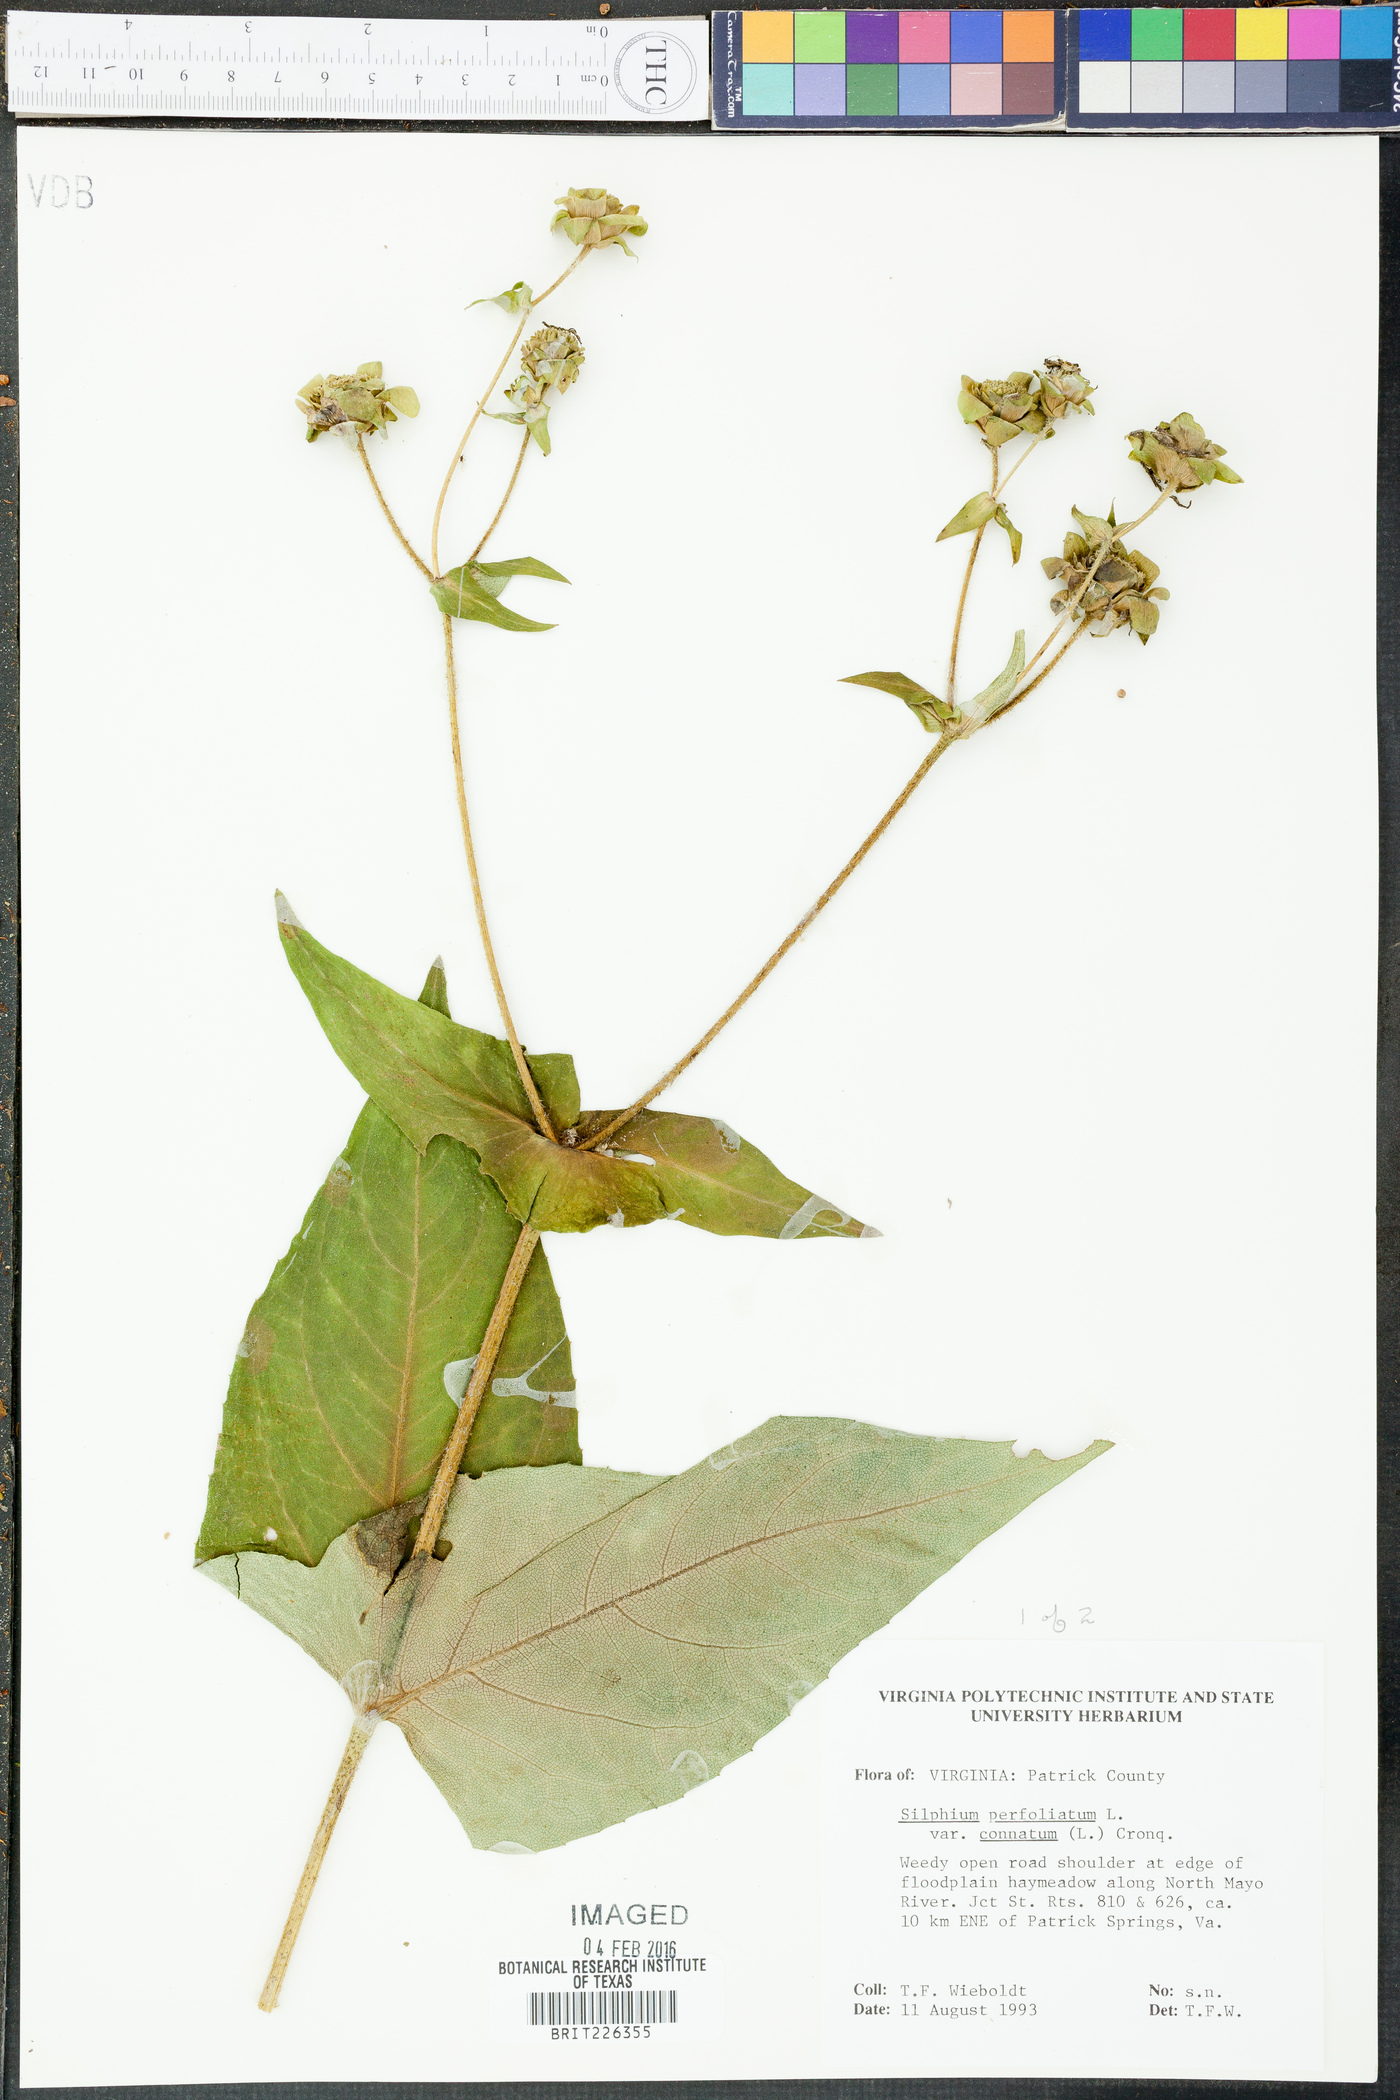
(450, 1464)
(527, 1079)
(967, 578)
(600, 1137)
(360, 1732)
(481, 404)
(1038, 438)
(414, 557)
(1060, 654)
(510, 491)
(949, 736)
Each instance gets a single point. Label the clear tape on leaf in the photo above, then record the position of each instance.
(472, 592)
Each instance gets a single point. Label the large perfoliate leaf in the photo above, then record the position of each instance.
(597, 1643)
(435, 1078)
(473, 592)
(354, 1359)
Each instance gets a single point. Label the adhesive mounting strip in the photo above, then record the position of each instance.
(949, 69)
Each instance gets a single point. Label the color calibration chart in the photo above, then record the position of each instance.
(1090, 69)
(952, 68)
(1281, 68)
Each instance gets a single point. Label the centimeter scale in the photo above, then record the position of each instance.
(281, 66)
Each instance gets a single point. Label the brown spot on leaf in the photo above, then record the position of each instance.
(383, 1539)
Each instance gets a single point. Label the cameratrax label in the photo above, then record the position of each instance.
(1096, 1859)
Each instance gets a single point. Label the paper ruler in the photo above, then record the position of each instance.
(62, 65)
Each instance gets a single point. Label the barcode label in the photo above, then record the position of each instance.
(602, 2008)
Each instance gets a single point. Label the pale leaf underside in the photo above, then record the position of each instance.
(597, 1643)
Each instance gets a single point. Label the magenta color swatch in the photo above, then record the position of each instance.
(1314, 32)
(923, 39)
(871, 39)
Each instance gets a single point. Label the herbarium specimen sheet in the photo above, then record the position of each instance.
(909, 1583)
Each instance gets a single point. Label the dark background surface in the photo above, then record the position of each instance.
(1388, 1074)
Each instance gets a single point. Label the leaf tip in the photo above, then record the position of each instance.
(870, 1232)
(286, 917)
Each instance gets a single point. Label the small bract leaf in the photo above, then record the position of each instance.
(931, 712)
(977, 511)
(403, 399)
(598, 1643)
(517, 300)
(472, 591)
(1011, 533)
(994, 697)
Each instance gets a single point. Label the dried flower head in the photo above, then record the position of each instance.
(553, 356)
(1003, 408)
(1118, 593)
(1062, 387)
(354, 403)
(1179, 456)
(593, 219)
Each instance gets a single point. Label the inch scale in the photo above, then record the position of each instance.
(61, 65)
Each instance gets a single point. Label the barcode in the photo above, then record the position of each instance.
(602, 2008)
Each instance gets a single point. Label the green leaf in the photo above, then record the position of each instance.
(348, 1377)
(520, 565)
(1011, 533)
(518, 300)
(975, 513)
(1095, 530)
(402, 400)
(435, 1078)
(993, 698)
(932, 713)
(471, 592)
(597, 1643)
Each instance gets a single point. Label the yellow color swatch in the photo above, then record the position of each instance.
(767, 38)
(1261, 32)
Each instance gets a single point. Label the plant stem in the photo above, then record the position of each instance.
(527, 1079)
(480, 406)
(1119, 532)
(1038, 438)
(510, 491)
(949, 736)
(1060, 654)
(445, 1479)
(450, 1464)
(393, 521)
(599, 1137)
(967, 578)
(349, 1764)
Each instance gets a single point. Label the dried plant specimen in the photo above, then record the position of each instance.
(399, 1484)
